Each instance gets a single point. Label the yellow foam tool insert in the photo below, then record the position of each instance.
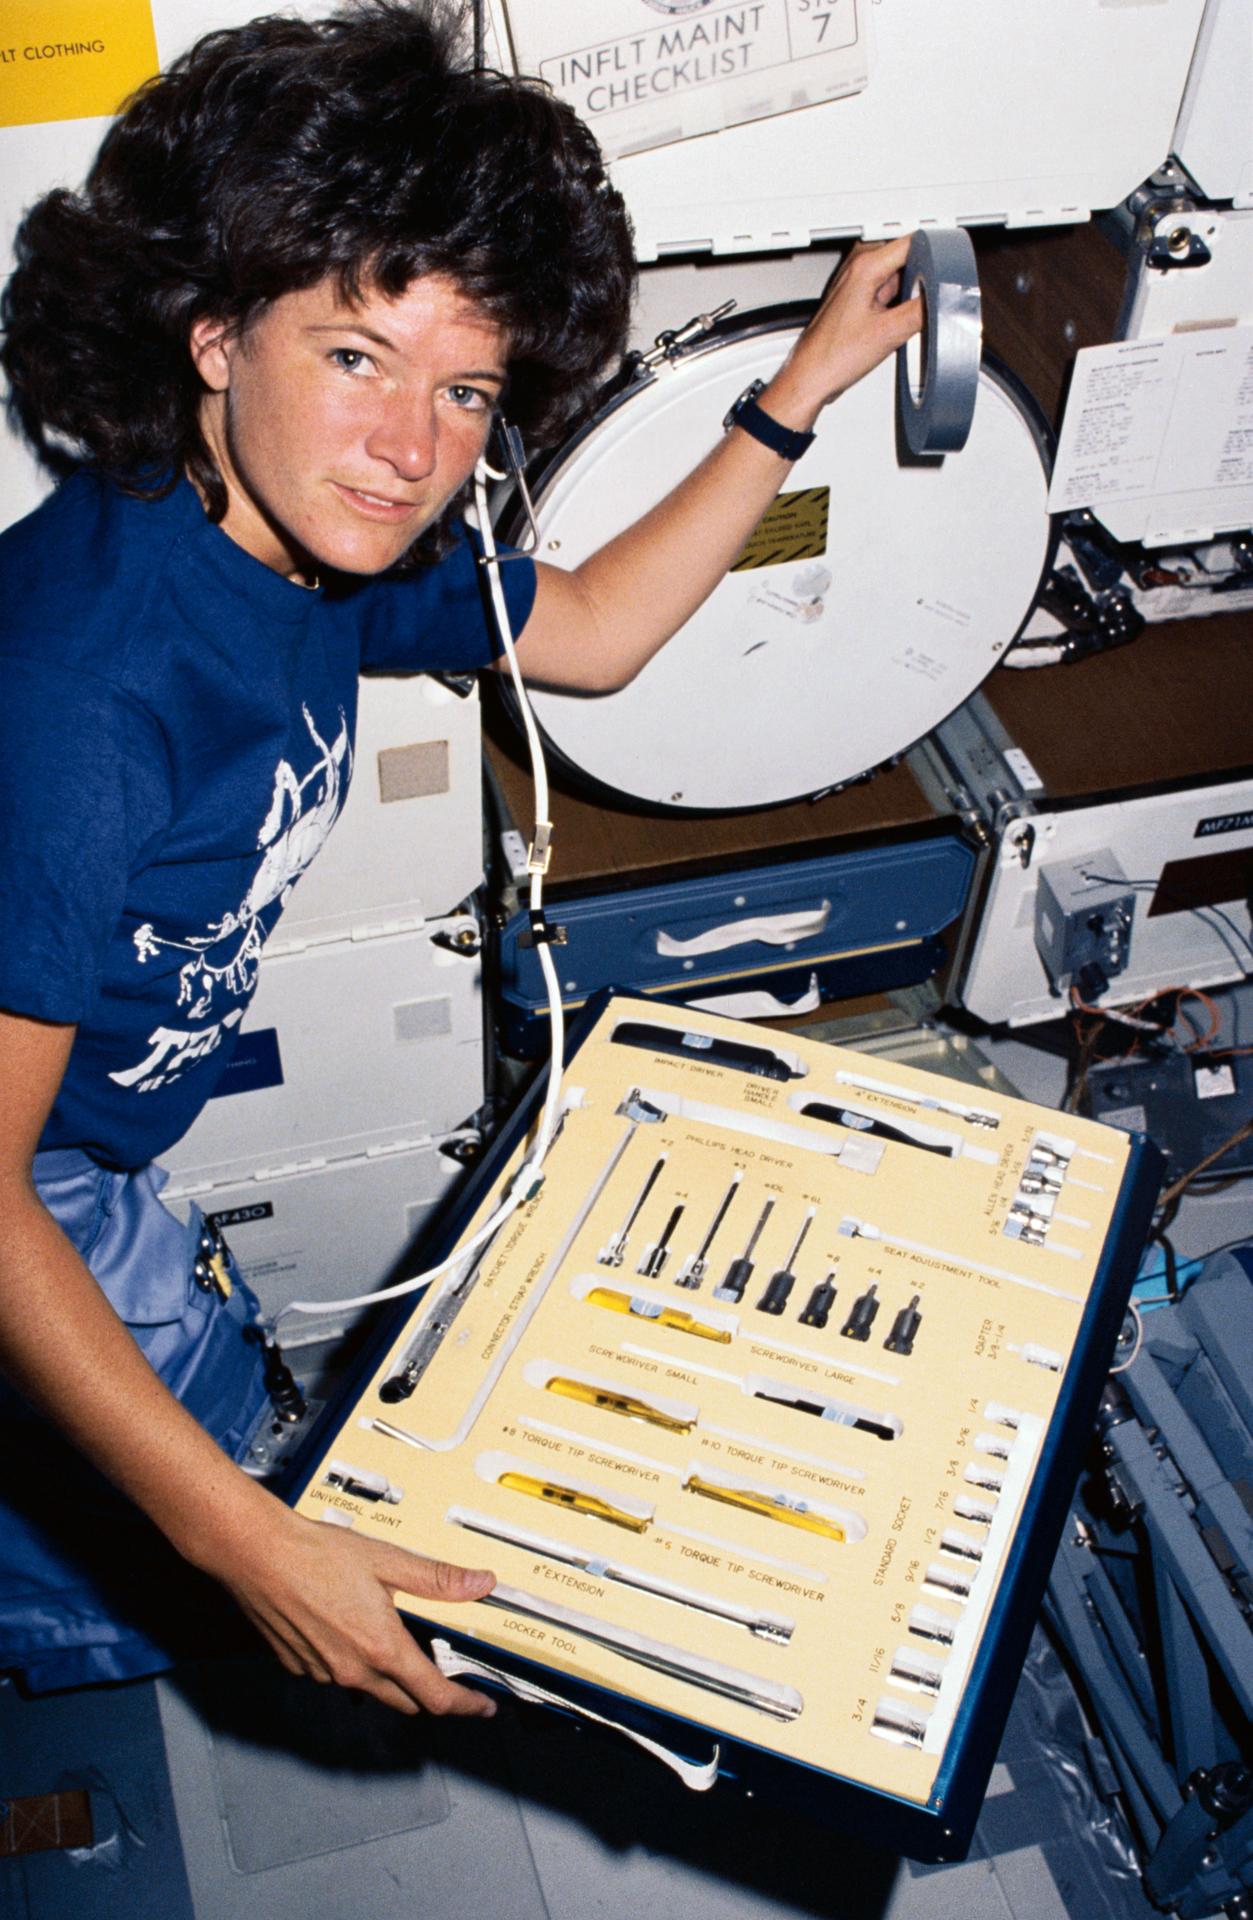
(821, 1504)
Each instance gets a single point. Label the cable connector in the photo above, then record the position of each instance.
(535, 1175)
(543, 933)
(540, 852)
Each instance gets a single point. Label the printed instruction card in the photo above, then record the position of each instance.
(1158, 436)
(646, 72)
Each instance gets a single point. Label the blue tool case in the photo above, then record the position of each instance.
(763, 1399)
(760, 915)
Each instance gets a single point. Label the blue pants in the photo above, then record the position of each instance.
(89, 1590)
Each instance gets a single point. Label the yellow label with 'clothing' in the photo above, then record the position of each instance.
(72, 59)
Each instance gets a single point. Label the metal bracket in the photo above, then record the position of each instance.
(541, 933)
(1162, 214)
(671, 342)
(982, 786)
(465, 941)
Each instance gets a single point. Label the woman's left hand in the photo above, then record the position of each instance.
(860, 320)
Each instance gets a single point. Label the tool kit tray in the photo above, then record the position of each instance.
(764, 1406)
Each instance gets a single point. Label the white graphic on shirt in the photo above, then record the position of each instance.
(175, 1048)
(225, 958)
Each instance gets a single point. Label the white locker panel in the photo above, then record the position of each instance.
(374, 1036)
(408, 846)
(1005, 977)
(327, 1231)
(1214, 138)
(1216, 293)
(972, 115)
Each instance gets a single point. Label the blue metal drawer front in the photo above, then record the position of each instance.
(747, 925)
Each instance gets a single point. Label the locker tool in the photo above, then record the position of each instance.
(775, 1298)
(764, 1626)
(693, 1270)
(740, 1271)
(767, 1062)
(767, 1696)
(613, 1253)
(652, 1310)
(654, 1257)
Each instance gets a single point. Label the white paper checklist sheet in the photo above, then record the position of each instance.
(1158, 436)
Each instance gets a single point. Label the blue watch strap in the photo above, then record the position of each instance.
(787, 442)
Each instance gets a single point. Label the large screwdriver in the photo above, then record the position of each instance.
(775, 1298)
(740, 1271)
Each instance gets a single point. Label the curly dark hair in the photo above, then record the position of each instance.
(363, 146)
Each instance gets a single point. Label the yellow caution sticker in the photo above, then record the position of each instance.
(794, 528)
(72, 59)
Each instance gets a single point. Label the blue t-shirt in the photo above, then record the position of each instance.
(176, 729)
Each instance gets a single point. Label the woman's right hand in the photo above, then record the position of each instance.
(322, 1597)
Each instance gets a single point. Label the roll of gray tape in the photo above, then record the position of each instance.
(937, 372)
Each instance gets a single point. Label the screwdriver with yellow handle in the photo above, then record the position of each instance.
(793, 1512)
(573, 1499)
(653, 1310)
(630, 1404)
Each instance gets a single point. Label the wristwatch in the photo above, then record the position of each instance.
(785, 441)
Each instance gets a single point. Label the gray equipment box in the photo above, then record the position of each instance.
(1144, 755)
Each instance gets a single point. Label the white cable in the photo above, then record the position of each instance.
(1134, 1311)
(1027, 654)
(523, 1185)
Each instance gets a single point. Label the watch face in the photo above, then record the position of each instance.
(737, 406)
